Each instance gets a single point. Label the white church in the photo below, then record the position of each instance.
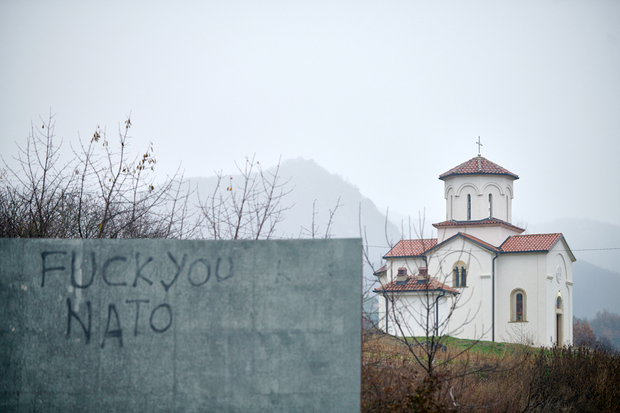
(481, 278)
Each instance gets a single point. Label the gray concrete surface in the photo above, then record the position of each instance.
(180, 326)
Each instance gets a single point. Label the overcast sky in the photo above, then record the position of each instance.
(387, 94)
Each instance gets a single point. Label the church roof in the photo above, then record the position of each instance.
(513, 244)
(471, 238)
(478, 166)
(415, 285)
(476, 240)
(411, 248)
(483, 222)
(530, 242)
(380, 270)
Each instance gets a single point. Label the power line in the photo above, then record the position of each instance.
(572, 249)
(596, 249)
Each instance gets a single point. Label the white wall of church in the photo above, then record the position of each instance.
(494, 235)
(533, 274)
(407, 314)
(525, 272)
(472, 318)
(411, 264)
(562, 286)
(478, 188)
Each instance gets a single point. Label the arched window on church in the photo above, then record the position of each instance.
(468, 207)
(490, 205)
(559, 320)
(459, 274)
(518, 306)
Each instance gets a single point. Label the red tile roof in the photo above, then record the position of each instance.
(479, 241)
(413, 284)
(380, 270)
(476, 166)
(516, 243)
(530, 243)
(483, 222)
(411, 247)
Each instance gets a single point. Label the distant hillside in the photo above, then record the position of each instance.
(311, 183)
(595, 289)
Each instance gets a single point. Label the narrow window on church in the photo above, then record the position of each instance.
(519, 307)
(490, 206)
(468, 207)
(459, 274)
(507, 208)
(518, 304)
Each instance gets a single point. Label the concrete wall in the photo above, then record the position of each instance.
(180, 326)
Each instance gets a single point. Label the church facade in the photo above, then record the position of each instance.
(482, 277)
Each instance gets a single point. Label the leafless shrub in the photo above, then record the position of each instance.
(250, 209)
(102, 192)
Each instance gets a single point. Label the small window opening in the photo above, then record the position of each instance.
(490, 205)
(468, 207)
(518, 304)
(519, 307)
(459, 278)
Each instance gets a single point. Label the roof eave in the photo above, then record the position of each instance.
(568, 250)
(469, 238)
(415, 291)
(525, 252)
(478, 223)
(386, 257)
(444, 177)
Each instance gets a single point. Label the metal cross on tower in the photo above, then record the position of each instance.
(479, 145)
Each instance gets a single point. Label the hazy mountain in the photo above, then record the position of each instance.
(311, 184)
(595, 289)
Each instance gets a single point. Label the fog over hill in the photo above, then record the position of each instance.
(311, 184)
(596, 274)
(595, 289)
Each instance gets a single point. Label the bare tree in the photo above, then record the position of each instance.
(36, 197)
(102, 192)
(106, 190)
(314, 230)
(250, 209)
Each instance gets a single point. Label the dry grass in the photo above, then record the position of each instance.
(518, 379)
